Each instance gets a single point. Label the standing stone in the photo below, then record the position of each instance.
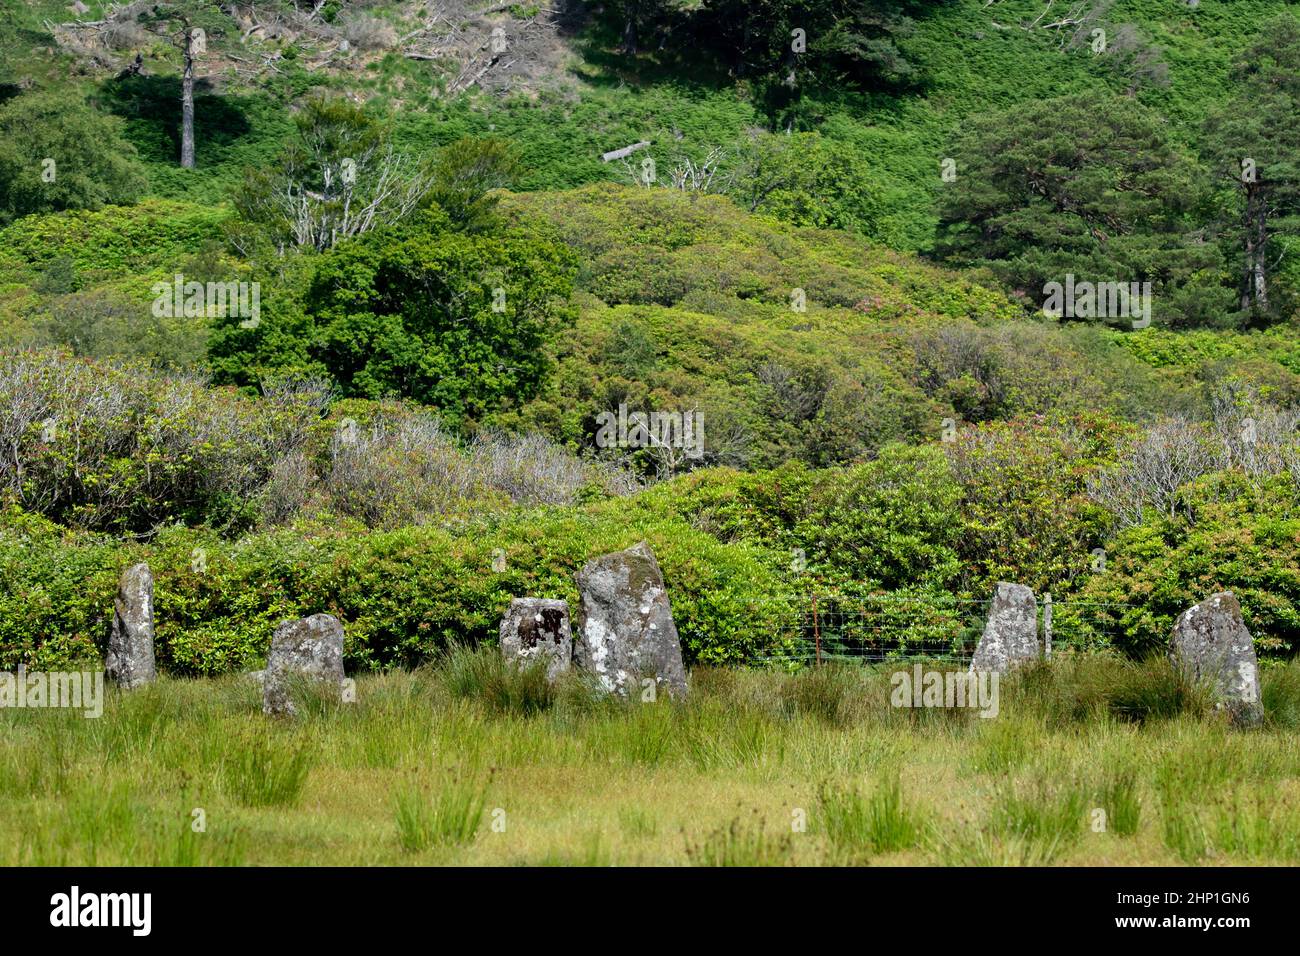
(625, 623)
(310, 648)
(130, 660)
(1211, 643)
(538, 627)
(1011, 632)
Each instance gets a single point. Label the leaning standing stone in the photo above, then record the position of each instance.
(310, 648)
(538, 627)
(1011, 631)
(625, 623)
(130, 660)
(1211, 643)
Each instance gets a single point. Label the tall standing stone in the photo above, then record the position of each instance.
(1010, 631)
(1210, 642)
(538, 627)
(626, 631)
(311, 649)
(130, 660)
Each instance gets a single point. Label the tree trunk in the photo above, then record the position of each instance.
(187, 104)
(1261, 251)
(629, 31)
(1254, 295)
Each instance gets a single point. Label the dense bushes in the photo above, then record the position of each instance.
(109, 242)
(459, 527)
(453, 321)
(402, 594)
(1230, 534)
(125, 449)
(56, 154)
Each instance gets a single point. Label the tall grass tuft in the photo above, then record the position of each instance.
(1045, 812)
(1183, 830)
(262, 769)
(1155, 689)
(484, 675)
(1280, 693)
(1118, 796)
(1004, 745)
(977, 847)
(450, 817)
(881, 823)
(822, 692)
(740, 844)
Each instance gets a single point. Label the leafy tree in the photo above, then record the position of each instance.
(464, 174)
(1253, 144)
(56, 155)
(1086, 184)
(454, 321)
(808, 180)
(340, 178)
(844, 42)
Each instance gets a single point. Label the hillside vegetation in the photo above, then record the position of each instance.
(833, 252)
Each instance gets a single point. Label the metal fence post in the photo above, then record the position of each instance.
(1047, 626)
(817, 634)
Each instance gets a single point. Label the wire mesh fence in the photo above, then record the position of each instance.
(942, 628)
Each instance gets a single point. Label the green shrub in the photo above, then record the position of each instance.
(403, 595)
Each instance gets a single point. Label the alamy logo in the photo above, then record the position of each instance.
(103, 909)
(919, 687)
(208, 300)
(1099, 300)
(75, 690)
(684, 430)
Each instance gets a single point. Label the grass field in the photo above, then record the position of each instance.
(467, 762)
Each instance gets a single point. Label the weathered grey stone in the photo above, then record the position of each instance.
(1010, 632)
(311, 649)
(625, 624)
(130, 660)
(538, 627)
(1210, 642)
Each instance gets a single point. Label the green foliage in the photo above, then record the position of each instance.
(892, 522)
(1235, 535)
(455, 322)
(1087, 185)
(56, 155)
(1254, 159)
(156, 234)
(403, 595)
(884, 349)
(845, 43)
(1024, 508)
(466, 172)
(807, 180)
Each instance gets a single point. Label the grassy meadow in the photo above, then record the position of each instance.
(1091, 760)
